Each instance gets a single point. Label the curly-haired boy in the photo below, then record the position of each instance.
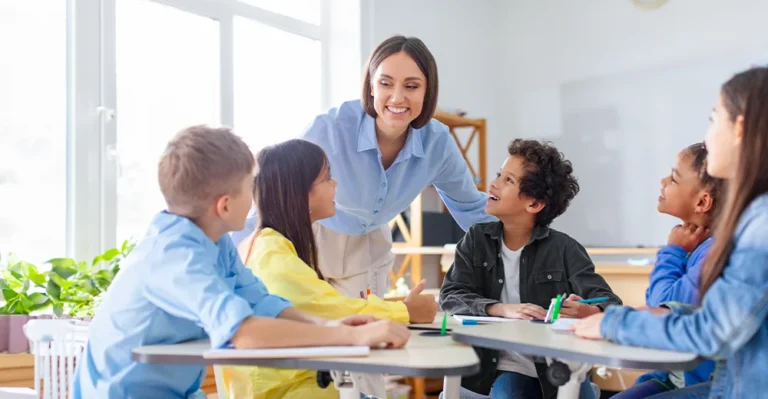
(513, 267)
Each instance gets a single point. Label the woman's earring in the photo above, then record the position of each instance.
(310, 211)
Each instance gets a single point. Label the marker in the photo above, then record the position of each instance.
(593, 300)
(556, 311)
(445, 323)
(471, 323)
(548, 317)
(362, 295)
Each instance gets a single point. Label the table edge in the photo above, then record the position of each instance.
(533, 350)
(319, 364)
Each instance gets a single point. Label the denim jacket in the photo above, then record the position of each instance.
(730, 326)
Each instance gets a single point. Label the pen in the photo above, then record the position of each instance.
(593, 300)
(471, 323)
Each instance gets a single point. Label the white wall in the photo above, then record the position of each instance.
(550, 45)
(548, 42)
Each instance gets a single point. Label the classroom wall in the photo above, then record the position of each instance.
(643, 79)
(549, 42)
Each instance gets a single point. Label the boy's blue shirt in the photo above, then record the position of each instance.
(177, 285)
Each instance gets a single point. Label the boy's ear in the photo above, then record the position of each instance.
(535, 206)
(705, 203)
(222, 205)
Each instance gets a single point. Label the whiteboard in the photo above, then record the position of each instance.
(622, 132)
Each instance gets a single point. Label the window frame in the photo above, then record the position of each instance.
(92, 157)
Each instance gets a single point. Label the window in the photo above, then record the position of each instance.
(167, 79)
(33, 134)
(277, 83)
(304, 10)
(91, 93)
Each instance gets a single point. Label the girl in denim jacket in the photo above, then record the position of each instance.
(731, 326)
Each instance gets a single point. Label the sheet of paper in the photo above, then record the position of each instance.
(281, 353)
(562, 324)
(482, 319)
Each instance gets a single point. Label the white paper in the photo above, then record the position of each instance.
(482, 319)
(293, 353)
(562, 324)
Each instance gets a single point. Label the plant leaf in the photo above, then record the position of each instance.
(3, 283)
(53, 290)
(9, 294)
(110, 254)
(62, 262)
(38, 298)
(96, 260)
(25, 286)
(37, 278)
(58, 309)
(25, 302)
(59, 280)
(41, 306)
(64, 271)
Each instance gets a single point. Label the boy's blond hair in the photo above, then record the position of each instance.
(199, 165)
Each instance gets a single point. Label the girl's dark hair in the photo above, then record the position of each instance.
(746, 95)
(284, 176)
(418, 51)
(715, 186)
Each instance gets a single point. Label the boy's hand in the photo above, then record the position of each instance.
(354, 320)
(571, 308)
(523, 311)
(421, 308)
(380, 334)
(688, 236)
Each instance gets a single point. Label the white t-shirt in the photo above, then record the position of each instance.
(511, 361)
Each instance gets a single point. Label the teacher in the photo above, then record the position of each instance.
(384, 149)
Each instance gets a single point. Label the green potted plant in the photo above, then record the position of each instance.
(67, 289)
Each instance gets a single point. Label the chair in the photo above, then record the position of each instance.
(57, 345)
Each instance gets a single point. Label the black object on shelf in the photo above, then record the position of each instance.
(438, 229)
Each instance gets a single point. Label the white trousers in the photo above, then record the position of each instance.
(352, 264)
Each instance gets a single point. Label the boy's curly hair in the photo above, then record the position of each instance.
(548, 177)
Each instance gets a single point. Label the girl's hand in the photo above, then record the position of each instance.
(688, 236)
(588, 328)
(571, 308)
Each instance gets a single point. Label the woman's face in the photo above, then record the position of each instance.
(723, 142)
(321, 196)
(398, 87)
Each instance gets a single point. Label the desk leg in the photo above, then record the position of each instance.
(346, 385)
(578, 373)
(451, 387)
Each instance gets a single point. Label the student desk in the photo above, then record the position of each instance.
(435, 357)
(569, 357)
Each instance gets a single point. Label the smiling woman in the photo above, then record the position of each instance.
(384, 149)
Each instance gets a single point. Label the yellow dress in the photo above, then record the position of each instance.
(274, 260)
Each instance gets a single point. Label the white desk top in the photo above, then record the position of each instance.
(432, 357)
(539, 340)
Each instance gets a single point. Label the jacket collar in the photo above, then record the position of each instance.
(496, 229)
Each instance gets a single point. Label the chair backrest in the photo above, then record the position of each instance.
(57, 345)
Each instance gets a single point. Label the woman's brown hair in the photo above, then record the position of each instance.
(418, 51)
(746, 95)
(284, 177)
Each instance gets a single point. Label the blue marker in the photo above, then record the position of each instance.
(471, 323)
(593, 300)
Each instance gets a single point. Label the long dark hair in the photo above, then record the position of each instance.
(284, 176)
(745, 94)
